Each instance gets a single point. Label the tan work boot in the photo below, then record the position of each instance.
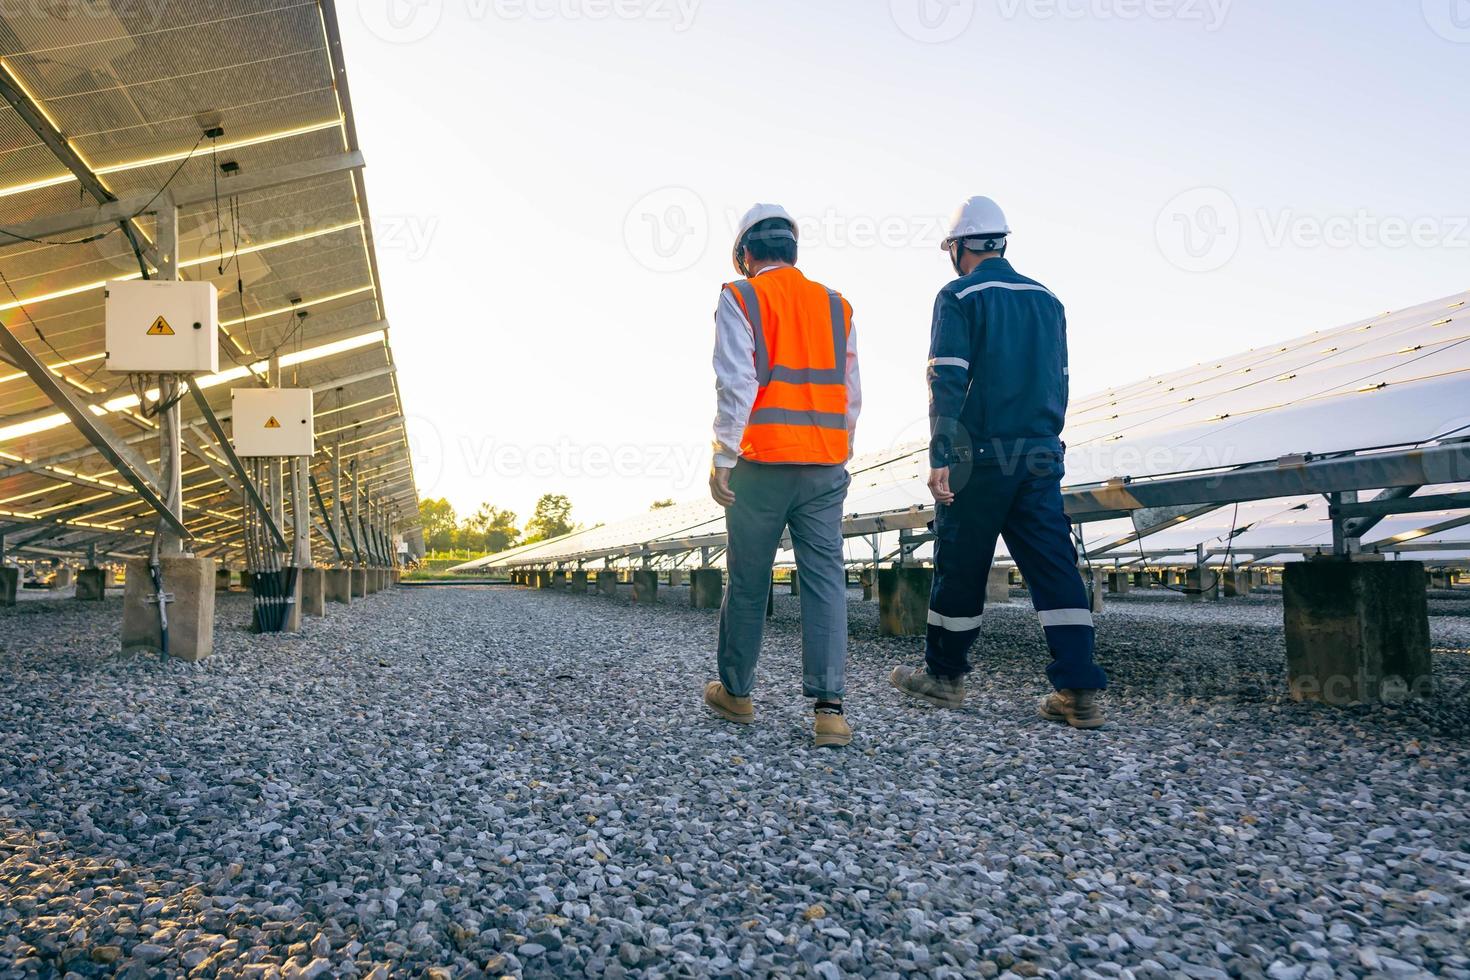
(739, 710)
(1076, 708)
(832, 729)
(916, 682)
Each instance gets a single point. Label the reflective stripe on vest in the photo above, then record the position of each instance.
(765, 372)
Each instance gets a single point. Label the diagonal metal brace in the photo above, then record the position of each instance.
(224, 444)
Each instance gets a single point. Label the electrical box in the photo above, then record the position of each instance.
(272, 422)
(162, 327)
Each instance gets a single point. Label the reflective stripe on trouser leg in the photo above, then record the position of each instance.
(816, 537)
(1040, 540)
(754, 524)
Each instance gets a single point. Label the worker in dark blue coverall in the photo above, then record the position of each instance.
(997, 404)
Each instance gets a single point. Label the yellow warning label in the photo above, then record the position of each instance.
(271, 423)
(160, 328)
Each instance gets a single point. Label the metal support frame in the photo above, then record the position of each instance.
(326, 515)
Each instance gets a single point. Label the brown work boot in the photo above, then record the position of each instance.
(739, 710)
(916, 682)
(1076, 708)
(832, 729)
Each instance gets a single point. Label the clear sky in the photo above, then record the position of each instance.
(554, 184)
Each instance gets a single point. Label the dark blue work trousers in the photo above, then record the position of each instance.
(1023, 504)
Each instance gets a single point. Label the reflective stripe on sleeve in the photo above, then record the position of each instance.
(786, 416)
(1016, 286)
(954, 624)
(958, 362)
(1065, 617)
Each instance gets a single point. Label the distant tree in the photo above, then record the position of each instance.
(552, 519)
(492, 530)
(438, 520)
(662, 504)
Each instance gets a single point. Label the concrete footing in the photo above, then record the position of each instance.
(9, 583)
(359, 582)
(1120, 583)
(91, 584)
(795, 582)
(293, 606)
(1202, 584)
(676, 577)
(903, 600)
(645, 585)
(998, 586)
(222, 579)
(339, 585)
(607, 582)
(866, 578)
(63, 578)
(578, 583)
(1233, 584)
(371, 581)
(706, 588)
(313, 592)
(1357, 632)
(190, 613)
(247, 580)
(1095, 581)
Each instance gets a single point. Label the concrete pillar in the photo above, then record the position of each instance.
(222, 580)
(359, 582)
(91, 584)
(559, 579)
(607, 582)
(645, 585)
(190, 613)
(1017, 582)
(293, 606)
(866, 578)
(903, 600)
(9, 583)
(1202, 584)
(1357, 631)
(1140, 580)
(313, 592)
(706, 588)
(1098, 578)
(1438, 580)
(64, 578)
(1235, 583)
(795, 582)
(247, 580)
(998, 586)
(771, 597)
(1120, 583)
(676, 577)
(578, 582)
(339, 585)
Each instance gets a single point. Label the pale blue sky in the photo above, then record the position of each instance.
(523, 153)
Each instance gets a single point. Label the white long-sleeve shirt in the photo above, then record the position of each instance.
(735, 380)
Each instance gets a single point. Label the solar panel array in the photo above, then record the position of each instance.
(133, 97)
(1401, 379)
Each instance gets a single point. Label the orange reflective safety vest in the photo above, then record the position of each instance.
(801, 329)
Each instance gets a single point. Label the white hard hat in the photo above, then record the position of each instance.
(753, 217)
(979, 217)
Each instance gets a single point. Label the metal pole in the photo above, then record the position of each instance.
(356, 507)
(170, 439)
(301, 516)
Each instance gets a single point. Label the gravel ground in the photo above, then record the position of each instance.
(468, 781)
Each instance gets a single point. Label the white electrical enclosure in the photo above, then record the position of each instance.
(162, 327)
(272, 422)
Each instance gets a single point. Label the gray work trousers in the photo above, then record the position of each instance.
(769, 498)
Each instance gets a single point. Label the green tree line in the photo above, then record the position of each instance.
(492, 529)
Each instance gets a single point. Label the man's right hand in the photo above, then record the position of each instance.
(719, 485)
(939, 485)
